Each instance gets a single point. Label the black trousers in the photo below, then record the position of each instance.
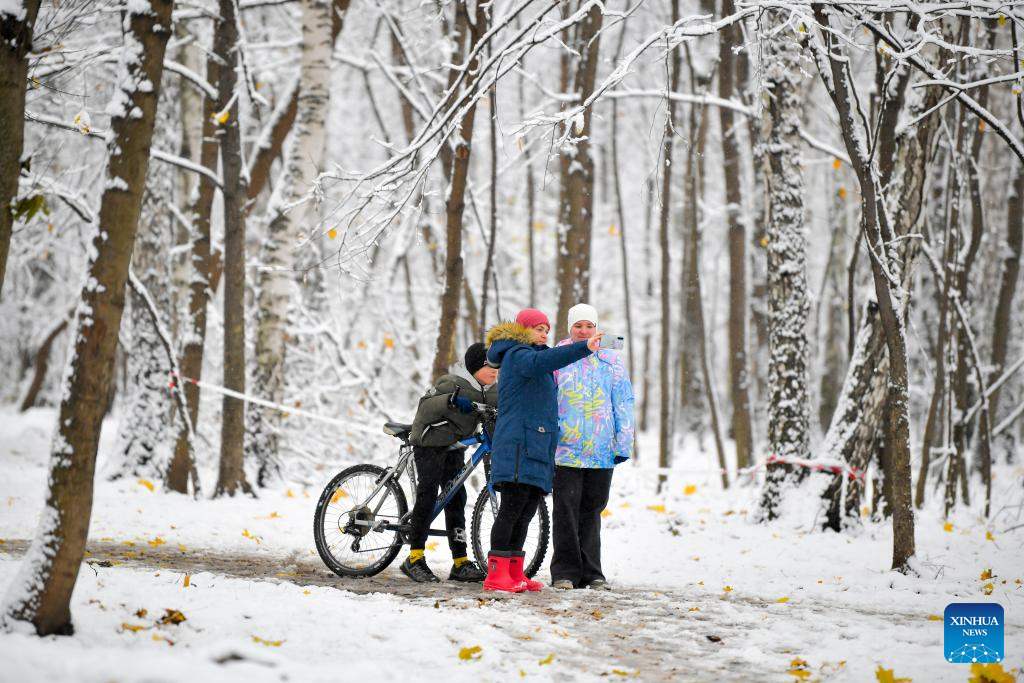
(435, 467)
(579, 496)
(518, 505)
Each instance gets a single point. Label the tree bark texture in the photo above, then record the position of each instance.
(15, 44)
(576, 212)
(788, 303)
(276, 277)
(231, 473)
(41, 592)
(459, 157)
(742, 428)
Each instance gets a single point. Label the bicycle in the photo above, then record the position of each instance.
(362, 517)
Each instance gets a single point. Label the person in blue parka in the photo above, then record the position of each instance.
(525, 437)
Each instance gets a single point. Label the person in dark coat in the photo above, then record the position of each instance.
(439, 423)
(523, 451)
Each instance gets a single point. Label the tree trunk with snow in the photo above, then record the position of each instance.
(456, 159)
(788, 303)
(887, 269)
(576, 213)
(16, 23)
(231, 473)
(141, 449)
(1009, 272)
(41, 592)
(276, 277)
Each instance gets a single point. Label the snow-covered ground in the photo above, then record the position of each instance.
(689, 567)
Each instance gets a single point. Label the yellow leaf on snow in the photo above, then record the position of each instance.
(339, 494)
(547, 660)
(389, 342)
(690, 490)
(990, 673)
(171, 616)
(182, 547)
(147, 483)
(289, 494)
(989, 536)
(887, 676)
(693, 609)
(606, 513)
(656, 508)
(987, 589)
(934, 617)
(947, 527)
(188, 580)
(157, 541)
(799, 668)
(269, 643)
(332, 233)
(781, 601)
(469, 653)
(986, 574)
(727, 589)
(133, 627)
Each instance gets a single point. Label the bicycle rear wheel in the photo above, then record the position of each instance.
(536, 546)
(347, 523)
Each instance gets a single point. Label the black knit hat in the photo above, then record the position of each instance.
(476, 357)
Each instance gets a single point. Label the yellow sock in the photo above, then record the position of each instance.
(415, 555)
(459, 561)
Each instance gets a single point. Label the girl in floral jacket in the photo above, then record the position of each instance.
(595, 420)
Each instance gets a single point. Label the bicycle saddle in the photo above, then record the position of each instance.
(398, 429)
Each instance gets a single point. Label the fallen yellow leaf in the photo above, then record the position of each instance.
(987, 589)
(171, 616)
(307, 592)
(389, 342)
(270, 643)
(157, 541)
(842, 193)
(694, 609)
(727, 589)
(990, 673)
(656, 508)
(986, 574)
(470, 653)
(690, 489)
(332, 233)
(837, 164)
(989, 536)
(132, 627)
(781, 601)
(887, 676)
(339, 494)
(947, 527)
(289, 494)
(606, 513)
(934, 617)
(182, 548)
(188, 580)
(547, 660)
(147, 483)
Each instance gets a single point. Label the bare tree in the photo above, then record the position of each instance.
(16, 23)
(41, 592)
(291, 212)
(231, 474)
(788, 304)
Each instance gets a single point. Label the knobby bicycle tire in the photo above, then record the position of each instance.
(332, 518)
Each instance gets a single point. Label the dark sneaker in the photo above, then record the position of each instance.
(599, 585)
(419, 571)
(468, 572)
(563, 585)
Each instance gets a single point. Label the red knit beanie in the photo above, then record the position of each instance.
(531, 317)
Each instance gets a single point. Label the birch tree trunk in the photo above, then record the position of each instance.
(16, 24)
(231, 473)
(276, 279)
(41, 591)
(142, 444)
(788, 303)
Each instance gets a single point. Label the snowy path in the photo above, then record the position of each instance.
(675, 634)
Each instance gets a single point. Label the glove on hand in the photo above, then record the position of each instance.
(463, 405)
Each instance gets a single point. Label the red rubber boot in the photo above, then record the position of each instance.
(499, 577)
(518, 574)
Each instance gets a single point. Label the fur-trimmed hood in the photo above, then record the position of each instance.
(505, 336)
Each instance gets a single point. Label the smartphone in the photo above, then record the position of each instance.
(612, 341)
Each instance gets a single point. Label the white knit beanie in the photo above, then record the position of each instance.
(582, 312)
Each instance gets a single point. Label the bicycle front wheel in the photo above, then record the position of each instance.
(348, 526)
(536, 546)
